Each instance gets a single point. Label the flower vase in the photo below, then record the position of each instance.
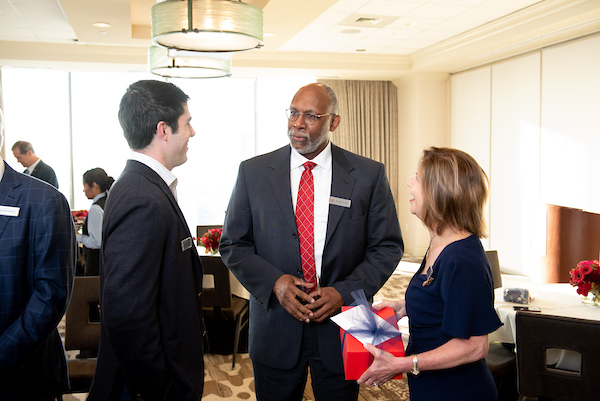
(591, 299)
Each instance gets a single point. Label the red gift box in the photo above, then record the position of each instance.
(357, 359)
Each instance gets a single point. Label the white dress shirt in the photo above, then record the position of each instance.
(33, 166)
(94, 225)
(322, 174)
(168, 177)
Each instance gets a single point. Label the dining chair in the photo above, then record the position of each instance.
(219, 303)
(82, 332)
(539, 336)
(495, 264)
(501, 358)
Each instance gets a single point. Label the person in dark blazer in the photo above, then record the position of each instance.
(357, 240)
(37, 266)
(151, 342)
(34, 166)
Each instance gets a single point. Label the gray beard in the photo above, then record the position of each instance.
(310, 146)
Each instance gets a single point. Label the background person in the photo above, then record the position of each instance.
(35, 167)
(96, 184)
(151, 340)
(37, 266)
(357, 245)
(450, 300)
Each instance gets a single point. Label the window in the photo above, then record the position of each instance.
(71, 121)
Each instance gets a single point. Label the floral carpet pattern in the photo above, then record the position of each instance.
(221, 383)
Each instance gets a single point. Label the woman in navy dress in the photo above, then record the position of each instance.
(450, 300)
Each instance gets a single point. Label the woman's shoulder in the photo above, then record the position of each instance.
(467, 252)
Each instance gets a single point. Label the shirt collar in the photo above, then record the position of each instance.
(323, 159)
(100, 195)
(168, 177)
(34, 165)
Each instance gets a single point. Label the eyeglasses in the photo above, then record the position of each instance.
(309, 118)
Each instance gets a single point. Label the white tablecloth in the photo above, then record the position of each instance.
(552, 299)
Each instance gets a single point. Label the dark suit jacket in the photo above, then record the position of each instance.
(150, 286)
(260, 243)
(45, 173)
(37, 265)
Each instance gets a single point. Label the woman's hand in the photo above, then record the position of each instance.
(385, 366)
(398, 306)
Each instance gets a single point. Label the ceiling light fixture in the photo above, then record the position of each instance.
(207, 25)
(101, 25)
(172, 63)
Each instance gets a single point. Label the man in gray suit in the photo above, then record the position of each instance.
(357, 245)
(151, 341)
(35, 167)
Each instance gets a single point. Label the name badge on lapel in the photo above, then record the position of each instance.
(339, 201)
(186, 244)
(11, 211)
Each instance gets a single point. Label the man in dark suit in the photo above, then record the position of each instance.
(357, 245)
(37, 266)
(35, 167)
(150, 273)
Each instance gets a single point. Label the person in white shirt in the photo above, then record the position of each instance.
(96, 184)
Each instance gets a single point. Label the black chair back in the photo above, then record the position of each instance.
(220, 295)
(539, 376)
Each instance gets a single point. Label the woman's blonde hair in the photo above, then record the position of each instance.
(455, 191)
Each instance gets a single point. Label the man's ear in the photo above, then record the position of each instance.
(162, 129)
(335, 121)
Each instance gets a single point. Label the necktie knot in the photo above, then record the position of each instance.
(308, 166)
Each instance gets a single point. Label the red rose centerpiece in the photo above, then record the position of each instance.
(210, 240)
(586, 277)
(79, 215)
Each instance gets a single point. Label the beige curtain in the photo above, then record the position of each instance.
(369, 126)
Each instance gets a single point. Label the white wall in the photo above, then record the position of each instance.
(533, 123)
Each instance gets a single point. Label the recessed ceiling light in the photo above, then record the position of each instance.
(350, 31)
(102, 33)
(414, 23)
(101, 25)
(269, 34)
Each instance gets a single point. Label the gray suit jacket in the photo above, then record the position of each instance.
(150, 286)
(260, 243)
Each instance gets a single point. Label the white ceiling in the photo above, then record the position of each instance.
(319, 37)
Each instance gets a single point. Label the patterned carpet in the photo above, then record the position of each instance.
(224, 384)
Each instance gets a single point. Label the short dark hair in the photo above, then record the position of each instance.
(144, 105)
(98, 175)
(23, 147)
(455, 191)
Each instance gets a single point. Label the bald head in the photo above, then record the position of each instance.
(322, 92)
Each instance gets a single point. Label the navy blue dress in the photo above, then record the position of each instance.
(458, 303)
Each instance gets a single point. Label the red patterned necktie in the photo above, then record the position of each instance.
(305, 221)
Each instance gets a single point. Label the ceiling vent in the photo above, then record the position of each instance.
(367, 21)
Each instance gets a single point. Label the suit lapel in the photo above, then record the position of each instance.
(342, 184)
(152, 176)
(280, 182)
(8, 195)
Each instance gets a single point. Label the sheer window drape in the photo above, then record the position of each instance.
(369, 126)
